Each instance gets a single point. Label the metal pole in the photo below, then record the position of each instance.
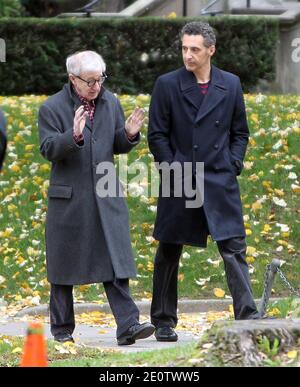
(184, 8)
(274, 266)
(248, 3)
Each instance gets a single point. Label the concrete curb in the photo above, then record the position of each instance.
(184, 306)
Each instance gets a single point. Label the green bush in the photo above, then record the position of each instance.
(11, 8)
(136, 51)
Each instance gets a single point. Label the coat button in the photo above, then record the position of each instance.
(216, 146)
(195, 147)
(217, 123)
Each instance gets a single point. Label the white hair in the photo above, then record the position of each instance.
(85, 61)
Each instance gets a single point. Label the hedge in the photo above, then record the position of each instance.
(136, 50)
(11, 8)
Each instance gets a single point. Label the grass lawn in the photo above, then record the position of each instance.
(74, 356)
(192, 355)
(270, 191)
(174, 357)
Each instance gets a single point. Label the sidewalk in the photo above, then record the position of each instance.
(91, 337)
(95, 325)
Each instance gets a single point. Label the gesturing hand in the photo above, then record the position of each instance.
(135, 122)
(79, 120)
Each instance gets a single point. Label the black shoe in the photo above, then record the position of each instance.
(136, 332)
(165, 334)
(259, 317)
(268, 318)
(64, 338)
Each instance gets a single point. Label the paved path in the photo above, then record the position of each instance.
(192, 324)
(99, 337)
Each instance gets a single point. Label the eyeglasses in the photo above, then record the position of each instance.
(92, 82)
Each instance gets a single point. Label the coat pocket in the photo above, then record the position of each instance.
(230, 161)
(60, 191)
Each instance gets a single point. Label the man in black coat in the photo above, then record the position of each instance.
(197, 114)
(2, 139)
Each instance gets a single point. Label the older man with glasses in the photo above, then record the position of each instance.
(87, 234)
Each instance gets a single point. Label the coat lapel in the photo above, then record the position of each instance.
(99, 112)
(189, 87)
(217, 91)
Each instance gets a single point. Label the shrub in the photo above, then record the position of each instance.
(137, 50)
(11, 8)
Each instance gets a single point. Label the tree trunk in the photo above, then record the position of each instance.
(249, 343)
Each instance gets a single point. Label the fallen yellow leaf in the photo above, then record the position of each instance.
(292, 354)
(282, 243)
(181, 277)
(296, 188)
(256, 206)
(250, 259)
(274, 312)
(251, 250)
(17, 350)
(253, 177)
(219, 292)
(266, 229)
(279, 192)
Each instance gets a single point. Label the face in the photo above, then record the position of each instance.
(82, 87)
(195, 55)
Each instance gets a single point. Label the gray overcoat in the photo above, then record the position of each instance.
(87, 237)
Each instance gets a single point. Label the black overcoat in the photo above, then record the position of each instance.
(2, 138)
(214, 132)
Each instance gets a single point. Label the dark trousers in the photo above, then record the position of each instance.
(124, 309)
(165, 296)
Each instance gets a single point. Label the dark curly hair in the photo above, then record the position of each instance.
(200, 28)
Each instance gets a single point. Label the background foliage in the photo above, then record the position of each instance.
(11, 8)
(137, 51)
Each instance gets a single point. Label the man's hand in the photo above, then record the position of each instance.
(134, 122)
(79, 121)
